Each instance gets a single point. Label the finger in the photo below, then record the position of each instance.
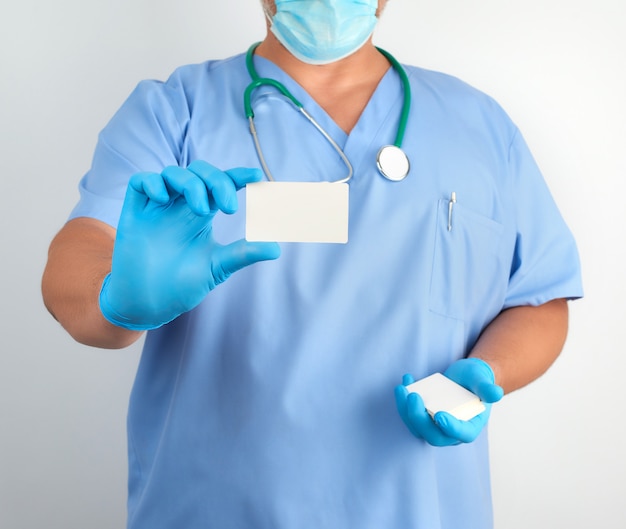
(401, 394)
(150, 186)
(221, 186)
(463, 431)
(414, 415)
(235, 256)
(408, 379)
(187, 184)
(243, 175)
(422, 424)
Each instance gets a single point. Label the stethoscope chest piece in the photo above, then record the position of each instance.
(392, 163)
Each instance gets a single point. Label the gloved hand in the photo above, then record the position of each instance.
(444, 429)
(165, 259)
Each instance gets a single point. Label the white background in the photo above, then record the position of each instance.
(557, 66)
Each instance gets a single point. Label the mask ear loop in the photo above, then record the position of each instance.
(266, 10)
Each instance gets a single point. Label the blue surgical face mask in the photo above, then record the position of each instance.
(323, 31)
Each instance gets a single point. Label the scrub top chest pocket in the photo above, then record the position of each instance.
(469, 270)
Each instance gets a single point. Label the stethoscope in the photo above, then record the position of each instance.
(391, 160)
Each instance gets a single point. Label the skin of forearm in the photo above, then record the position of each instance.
(521, 343)
(78, 260)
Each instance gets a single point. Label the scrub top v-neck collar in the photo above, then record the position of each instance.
(372, 127)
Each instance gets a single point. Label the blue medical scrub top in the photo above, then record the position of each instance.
(270, 405)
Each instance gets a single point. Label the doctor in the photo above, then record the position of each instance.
(264, 396)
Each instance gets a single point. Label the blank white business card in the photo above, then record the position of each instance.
(439, 393)
(297, 212)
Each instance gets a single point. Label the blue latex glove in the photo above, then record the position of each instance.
(165, 259)
(444, 429)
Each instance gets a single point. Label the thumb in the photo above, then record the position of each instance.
(489, 393)
(239, 254)
(476, 375)
(486, 389)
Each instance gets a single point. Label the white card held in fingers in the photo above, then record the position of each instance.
(297, 212)
(439, 393)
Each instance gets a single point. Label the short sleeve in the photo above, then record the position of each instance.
(546, 263)
(145, 134)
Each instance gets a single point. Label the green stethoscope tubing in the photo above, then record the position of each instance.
(406, 106)
(258, 81)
